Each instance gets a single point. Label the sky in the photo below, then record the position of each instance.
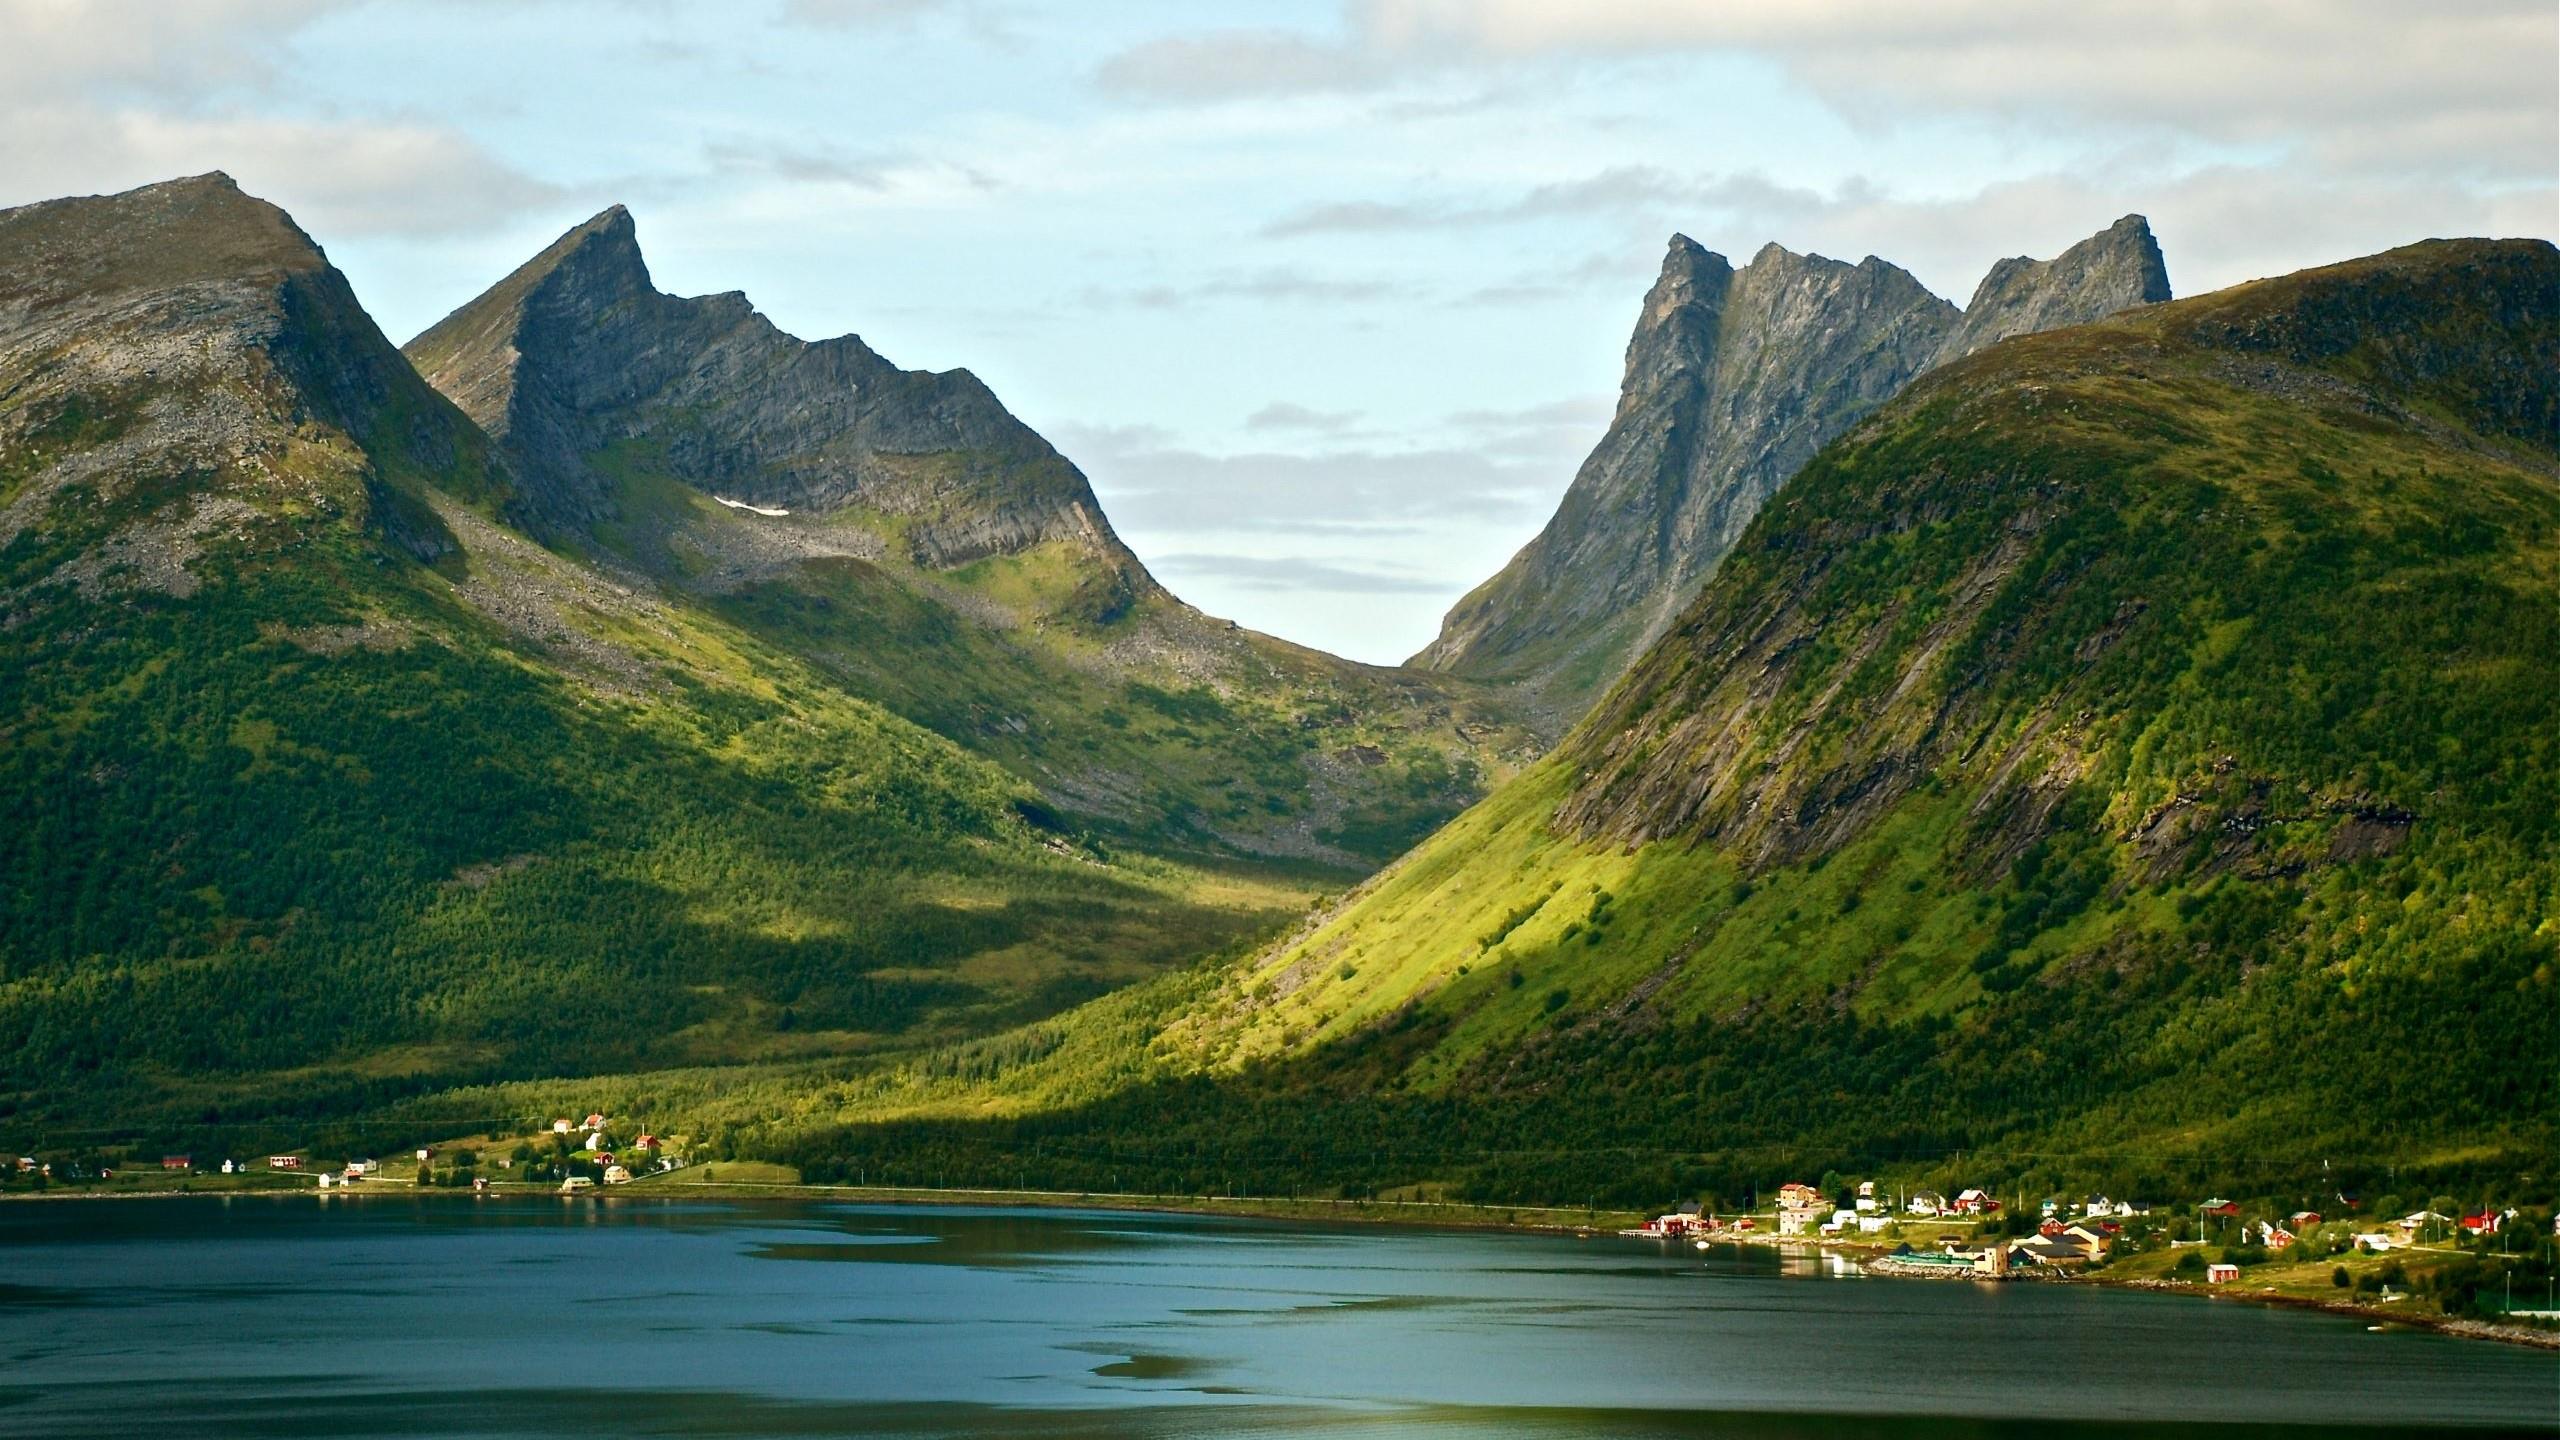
(1328, 299)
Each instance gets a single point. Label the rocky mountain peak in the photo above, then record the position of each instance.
(1734, 379)
(2115, 269)
(582, 367)
(194, 231)
(203, 331)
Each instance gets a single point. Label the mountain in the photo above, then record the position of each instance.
(2129, 757)
(329, 784)
(1734, 379)
(934, 554)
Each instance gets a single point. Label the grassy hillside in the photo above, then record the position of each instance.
(2130, 757)
(326, 787)
(1148, 725)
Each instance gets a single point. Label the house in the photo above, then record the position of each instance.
(327, 1179)
(2417, 1220)
(2222, 1209)
(2041, 1251)
(479, 1183)
(177, 1162)
(650, 1142)
(593, 1122)
(1927, 1202)
(362, 1167)
(1794, 1196)
(2051, 1228)
(2090, 1240)
(1873, 1224)
(2221, 1274)
(2096, 1205)
(284, 1162)
(2274, 1236)
(2484, 1223)
(1792, 1221)
(1976, 1202)
(26, 1164)
(2302, 1219)
(576, 1183)
(230, 1167)
(616, 1175)
(2378, 1241)
(605, 1157)
(425, 1153)
(560, 1127)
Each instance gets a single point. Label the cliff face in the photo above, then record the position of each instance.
(2115, 269)
(180, 363)
(1734, 379)
(577, 357)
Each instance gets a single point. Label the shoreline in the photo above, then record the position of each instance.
(1599, 1225)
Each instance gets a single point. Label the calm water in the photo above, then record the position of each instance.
(393, 1316)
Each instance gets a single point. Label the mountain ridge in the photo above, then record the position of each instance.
(1733, 379)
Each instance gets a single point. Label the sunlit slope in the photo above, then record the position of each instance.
(2141, 739)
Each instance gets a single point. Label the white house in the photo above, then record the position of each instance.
(1927, 1202)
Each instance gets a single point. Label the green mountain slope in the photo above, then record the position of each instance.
(326, 785)
(930, 552)
(2131, 755)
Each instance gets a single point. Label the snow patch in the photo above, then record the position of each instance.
(743, 505)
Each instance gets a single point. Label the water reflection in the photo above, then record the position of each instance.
(431, 1316)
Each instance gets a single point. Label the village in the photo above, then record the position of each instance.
(569, 1156)
(2350, 1254)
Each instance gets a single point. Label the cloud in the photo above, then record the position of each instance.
(1620, 190)
(2458, 88)
(1282, 415)
(337, 178)
(1233, 64)
(58, 48)
(991, 24)
(1288, 574)
(1283, 284)
(92, 101)
(1150, 481)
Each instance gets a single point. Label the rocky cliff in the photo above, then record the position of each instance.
(577, 358)
(180, 362)
(1734, 378)
(2115, 269)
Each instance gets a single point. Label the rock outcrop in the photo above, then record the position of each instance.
(180, 360)
(577, 362)
(2115, 269)
(1734, 379)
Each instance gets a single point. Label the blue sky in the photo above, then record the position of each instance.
(1328, 299)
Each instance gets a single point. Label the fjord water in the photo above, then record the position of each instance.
(427, 1316)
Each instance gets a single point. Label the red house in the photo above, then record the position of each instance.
(2484, 1223)
(177, 1162)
